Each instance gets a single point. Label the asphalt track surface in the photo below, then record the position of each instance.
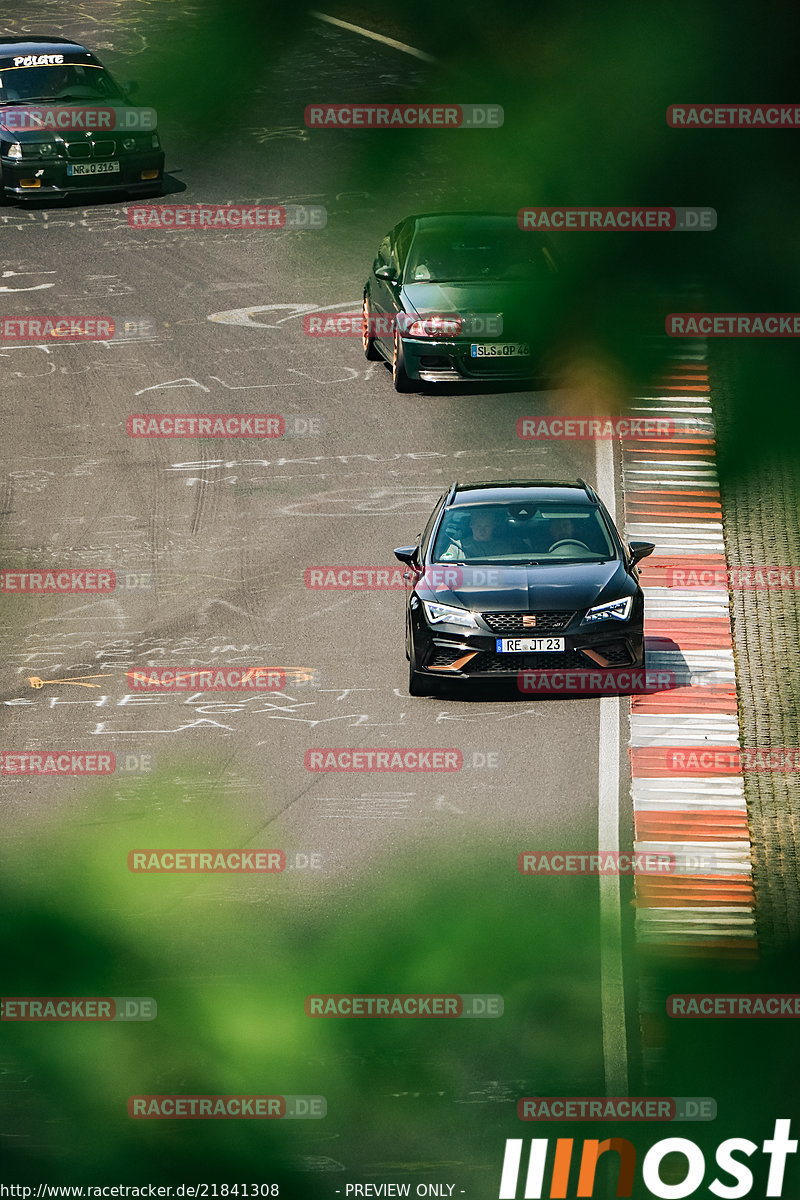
(227, 528)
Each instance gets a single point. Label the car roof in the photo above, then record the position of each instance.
(14, 47)
(434, 220)
(517, 491)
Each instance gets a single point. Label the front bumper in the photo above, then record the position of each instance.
(53, 180)
(448, 652)
(434, 360)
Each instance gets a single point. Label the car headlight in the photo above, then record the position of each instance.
(436, 613)
(141, 141)
(432, 327)
(32, 150)
(618, 609)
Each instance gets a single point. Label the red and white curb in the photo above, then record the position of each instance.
(706, 907)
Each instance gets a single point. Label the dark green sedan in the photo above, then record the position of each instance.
(458, 296)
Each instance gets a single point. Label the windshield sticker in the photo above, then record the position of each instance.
(39, 60)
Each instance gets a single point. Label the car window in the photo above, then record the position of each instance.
(542, 533)
(385, 252)
(403, 243)
(453, 253)
(81, 81)
(560, 532)
(431, 522)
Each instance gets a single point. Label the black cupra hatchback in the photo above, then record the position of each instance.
(518, 576)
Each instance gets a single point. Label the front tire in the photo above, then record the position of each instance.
(367, 341)
(418, 684)
(400, 379)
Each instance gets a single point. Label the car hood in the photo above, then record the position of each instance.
(519, 303)
(564, 587)
(12, 133)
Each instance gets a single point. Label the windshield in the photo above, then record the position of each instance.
(541, 533)
(67, 81)
(460, 254)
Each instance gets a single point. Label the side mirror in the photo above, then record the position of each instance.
(408, 555)
(641, 550)
(387, 273)
(130, 87)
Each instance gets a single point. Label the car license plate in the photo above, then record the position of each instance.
(94, 168)
(540, 645)
(499, 350)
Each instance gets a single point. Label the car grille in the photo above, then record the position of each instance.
(106, 148)
(617, 653)
(487, 663)
(511, 622)
(444, 656)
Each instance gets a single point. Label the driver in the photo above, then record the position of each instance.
(544, 534)
(565, 529)
(486, 535)
(57, 80)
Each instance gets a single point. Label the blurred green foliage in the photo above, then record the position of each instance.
(230, 960)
